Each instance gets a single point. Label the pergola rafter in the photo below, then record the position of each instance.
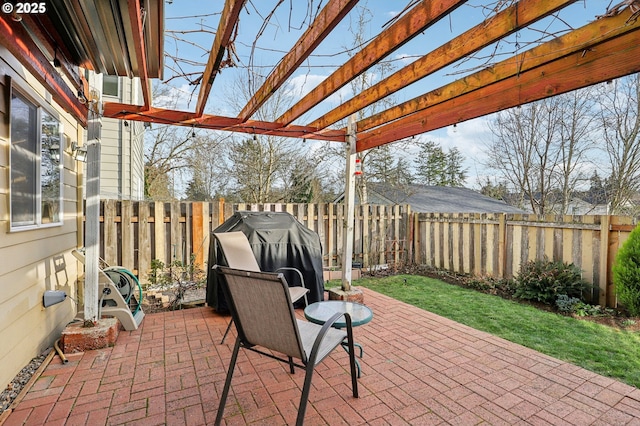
(326, 21)
(20, 43)
(228, 22)
(217, 122)
(460, 100)
(581, 58)
(139, 47)
(491, 30)
(417, 19)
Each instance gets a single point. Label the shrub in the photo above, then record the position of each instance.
(567, 304)
(573, 305)
(545, 280)
(626, 273)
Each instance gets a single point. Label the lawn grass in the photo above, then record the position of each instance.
(598, 348)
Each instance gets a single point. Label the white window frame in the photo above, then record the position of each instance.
(111, 80)
(41, 107)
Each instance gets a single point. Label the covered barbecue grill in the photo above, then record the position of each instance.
(278, 240)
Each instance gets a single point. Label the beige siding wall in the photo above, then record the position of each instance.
(34, 260)
(122, 164)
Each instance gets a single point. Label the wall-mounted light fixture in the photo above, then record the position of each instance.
(79, 152)
(81, 97)
(51, 297)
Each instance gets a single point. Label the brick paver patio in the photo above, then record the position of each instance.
(418, 369)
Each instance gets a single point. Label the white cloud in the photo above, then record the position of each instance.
(301, 85)
(176, 98)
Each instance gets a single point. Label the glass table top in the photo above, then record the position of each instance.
(320, 312)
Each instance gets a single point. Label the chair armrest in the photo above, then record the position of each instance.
(327, 325)
(297, 271)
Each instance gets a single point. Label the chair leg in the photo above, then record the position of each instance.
(352, 358)
(291, 366)
(227, 383)
(304, 398)
(227, 331)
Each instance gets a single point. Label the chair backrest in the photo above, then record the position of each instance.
(262, 311)
(237, 250)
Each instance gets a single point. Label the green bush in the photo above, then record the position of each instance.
(626, 273)
(573, 305)
(545, 280)
(567, 304)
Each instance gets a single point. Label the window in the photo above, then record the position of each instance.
(110, 85)
(36, 148)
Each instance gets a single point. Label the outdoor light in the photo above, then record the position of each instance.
(51, 297)
(81, 97)
(56, 61)
(79, 152)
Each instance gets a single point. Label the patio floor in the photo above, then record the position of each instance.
(418, 368)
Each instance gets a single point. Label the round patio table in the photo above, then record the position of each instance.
(320, 312)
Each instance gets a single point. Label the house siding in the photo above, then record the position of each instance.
(35, 260)
(122, 164)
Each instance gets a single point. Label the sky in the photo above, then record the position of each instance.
(262, 47)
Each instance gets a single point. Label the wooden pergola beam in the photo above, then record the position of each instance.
(494, 28)
(215, 122)
(226, 26)
(613, 58)
(419, 18)
(579, 40)
(141, 53)
(326, 21)
(17, 41)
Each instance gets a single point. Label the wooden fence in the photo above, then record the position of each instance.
(495, 245)
(133, 233)
(486, 245)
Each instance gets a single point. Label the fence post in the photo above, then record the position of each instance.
(197, 232)
(160, 233)
(502, 246)
(604, 260)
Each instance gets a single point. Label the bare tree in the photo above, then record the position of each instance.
(619, 118)
(380, 164)
(267, 168)
(519, 153)
(576, 141)
(176, 153)
(541, 149)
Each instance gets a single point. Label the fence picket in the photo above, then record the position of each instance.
(135, 233)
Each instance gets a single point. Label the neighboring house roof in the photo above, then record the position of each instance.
(437, 199)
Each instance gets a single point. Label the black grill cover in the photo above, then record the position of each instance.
(278, 240)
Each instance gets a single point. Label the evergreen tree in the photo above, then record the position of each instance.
(434, 166)
(494, 190)
(626, 273)
(456, 175)
(597, 193)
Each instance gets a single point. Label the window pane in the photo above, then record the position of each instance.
(24, 162)
(50, 168)
(110, 85)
